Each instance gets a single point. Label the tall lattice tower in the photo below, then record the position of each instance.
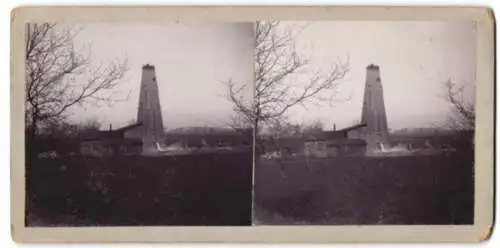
(149, 111)
(376, 132)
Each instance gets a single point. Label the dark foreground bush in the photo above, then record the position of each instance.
(186, 190)
(362, 190)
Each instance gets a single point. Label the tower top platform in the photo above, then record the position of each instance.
(148, 66)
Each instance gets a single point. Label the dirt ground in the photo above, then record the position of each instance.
(436, 189)
(188, 190)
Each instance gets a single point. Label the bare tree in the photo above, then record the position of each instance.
(316, 126)
(282, 128)
(463, 114)
(283, 77)
(91, 125)
(240, 121)
(57, 128)
(59, 78)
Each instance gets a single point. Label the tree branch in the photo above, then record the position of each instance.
(59, 78)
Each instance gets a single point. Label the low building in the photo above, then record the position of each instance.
(111, 143)
(284, 146)
(210, 138)
(334, 148)
(335, 143)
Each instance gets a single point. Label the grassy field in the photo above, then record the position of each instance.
(362, 190)
(188, 190)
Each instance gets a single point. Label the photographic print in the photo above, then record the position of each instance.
(126, 124)
(365, 122)
(252, 124)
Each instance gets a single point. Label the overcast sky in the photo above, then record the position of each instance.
(414, 58)
(190, 62)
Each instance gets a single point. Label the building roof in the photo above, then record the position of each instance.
(131, 126)
(332, 135)
(347, 129)
(109, 134)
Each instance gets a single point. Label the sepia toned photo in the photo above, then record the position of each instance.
(364, 122)
(252, 124)
(127, 125)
